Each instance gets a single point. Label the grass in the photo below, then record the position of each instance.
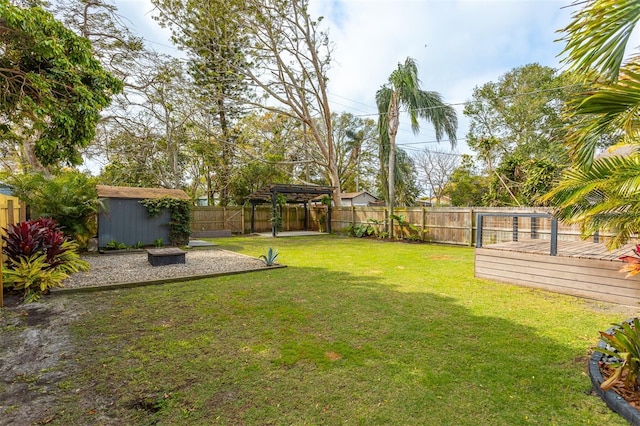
(352, 332)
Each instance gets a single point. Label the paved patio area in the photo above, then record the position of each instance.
(291, 234)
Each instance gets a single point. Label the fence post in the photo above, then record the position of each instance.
(479, 230)
(423, 223)
(353, 216)
(471, 227)
(534, 228)
(554, 236)
(242, 219)
(224, 217)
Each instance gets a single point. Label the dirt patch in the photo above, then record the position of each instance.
(35, 358)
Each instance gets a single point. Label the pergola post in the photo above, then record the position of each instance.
(299, 194)
(306, 217)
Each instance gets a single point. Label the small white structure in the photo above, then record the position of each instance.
(357, 199)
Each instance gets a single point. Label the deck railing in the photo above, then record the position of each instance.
(534, 232)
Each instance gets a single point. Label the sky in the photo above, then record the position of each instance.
(458, 45)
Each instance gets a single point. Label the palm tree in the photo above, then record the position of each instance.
(403, 90)
(603, 192)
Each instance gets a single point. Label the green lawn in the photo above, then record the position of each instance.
(352, 332)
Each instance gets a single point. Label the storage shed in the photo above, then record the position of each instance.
(124, 220)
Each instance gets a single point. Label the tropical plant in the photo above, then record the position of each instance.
(603, 192)
(377, 226)
(32, 275)
(624, 340)
(70, 198)
(403, 91)
(362, 230)
(270, 258)
(39, 257)
(411, 231)
(114, 245)
(632, 266)
(40, 236)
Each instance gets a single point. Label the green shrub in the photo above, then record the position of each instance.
(70, 198)
(362, 230)
(33, 276)
(39, 257)
(114, 245)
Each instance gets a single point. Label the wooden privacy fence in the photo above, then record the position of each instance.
(11, 211)
(447, 225)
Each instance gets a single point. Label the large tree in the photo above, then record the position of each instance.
(603, 192)
(52, 88)
(403, 91)
(517, 126)
(466, 186)
(279, 51)
(435, 169)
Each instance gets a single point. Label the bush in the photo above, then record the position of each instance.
(70, 198)
(33, 276)
(39, 257)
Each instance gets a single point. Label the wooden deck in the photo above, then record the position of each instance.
(580, 268)
(576, 249)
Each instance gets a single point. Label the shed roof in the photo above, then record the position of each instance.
(293, 193)
(106, 191)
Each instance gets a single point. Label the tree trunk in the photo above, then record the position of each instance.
(29, 147)
(393, 121)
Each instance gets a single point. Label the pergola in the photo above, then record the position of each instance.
(294, 194)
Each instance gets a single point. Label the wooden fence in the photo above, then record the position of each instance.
(448, 225)
(11, 211)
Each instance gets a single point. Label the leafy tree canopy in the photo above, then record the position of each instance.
(52, 89)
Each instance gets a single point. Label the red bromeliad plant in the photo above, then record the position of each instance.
(633, 263)
(39, 257)
(34, 236)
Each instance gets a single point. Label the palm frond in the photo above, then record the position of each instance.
(607, 195)
(608, 110)
(597, 36)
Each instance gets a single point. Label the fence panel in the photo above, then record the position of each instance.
(11, 211)
(449, 225)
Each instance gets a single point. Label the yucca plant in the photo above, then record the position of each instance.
(270, 257)
(625, 344)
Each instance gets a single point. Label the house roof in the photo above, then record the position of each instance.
(352, 195)
(106, 191)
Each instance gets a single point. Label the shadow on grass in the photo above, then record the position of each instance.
(313, 346)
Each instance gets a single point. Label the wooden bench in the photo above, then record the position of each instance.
(165, 256)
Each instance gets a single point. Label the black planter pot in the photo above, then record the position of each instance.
(611, 398)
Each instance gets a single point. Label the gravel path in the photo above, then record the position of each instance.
(107, 269)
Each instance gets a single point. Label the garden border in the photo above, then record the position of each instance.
(610, 397)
